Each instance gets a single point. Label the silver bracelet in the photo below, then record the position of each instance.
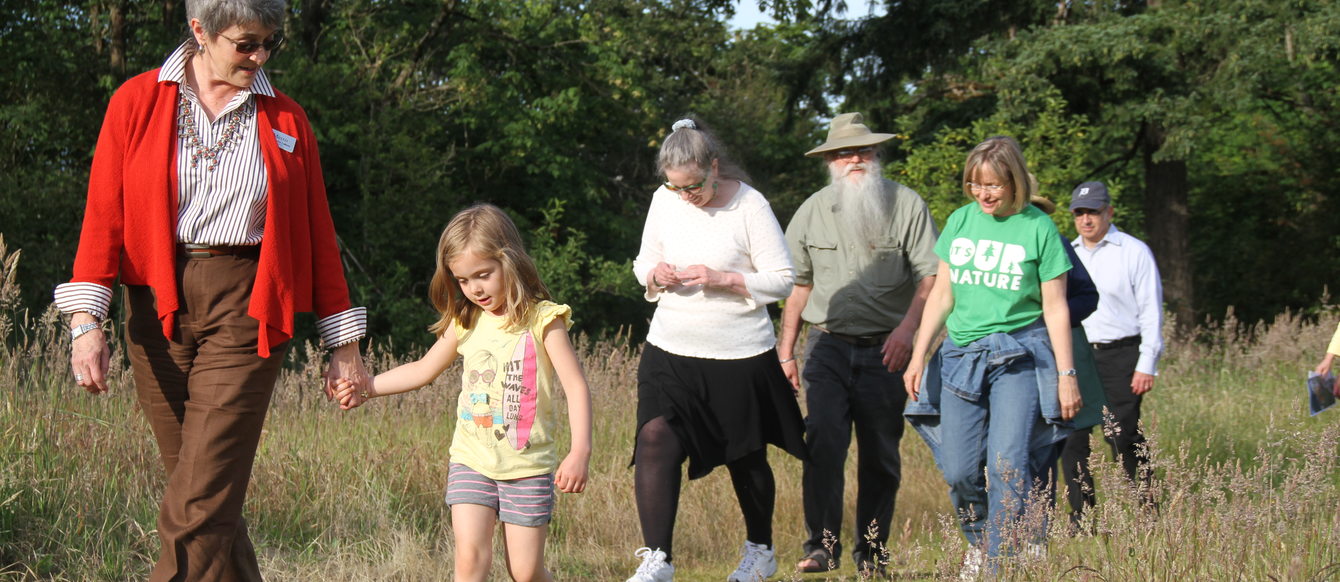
(787, 361)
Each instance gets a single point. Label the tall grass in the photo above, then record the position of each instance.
(1248, 482)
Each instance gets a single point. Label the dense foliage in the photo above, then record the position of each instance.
(1214, 122)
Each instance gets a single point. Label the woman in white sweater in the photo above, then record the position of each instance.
(710, 388)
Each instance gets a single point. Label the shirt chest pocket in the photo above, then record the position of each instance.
(889, 267)
(824, 258)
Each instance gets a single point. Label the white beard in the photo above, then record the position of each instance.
(862, 204)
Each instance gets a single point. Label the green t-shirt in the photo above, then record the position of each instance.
(997, 266)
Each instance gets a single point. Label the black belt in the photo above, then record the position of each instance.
(1121, 343)
(860, 341)
(196, 251)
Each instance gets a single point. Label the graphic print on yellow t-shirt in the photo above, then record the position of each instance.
(519, 393)
(481, 373)
(506, 412)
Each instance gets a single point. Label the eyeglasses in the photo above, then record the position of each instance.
(247, 47)
(993, 188)
(690, 189)
(849, 152)
(487, 376)
(1078, 212)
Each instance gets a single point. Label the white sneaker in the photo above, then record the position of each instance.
(757, 563)
(653, 568)
(1035, 552)
(973, 563)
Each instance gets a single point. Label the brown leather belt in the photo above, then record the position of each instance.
(196, 251)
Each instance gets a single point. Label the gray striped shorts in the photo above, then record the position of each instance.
(528, 501)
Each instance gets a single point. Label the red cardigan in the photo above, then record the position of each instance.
(131, 216)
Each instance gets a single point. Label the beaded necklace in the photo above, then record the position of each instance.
(232, 133)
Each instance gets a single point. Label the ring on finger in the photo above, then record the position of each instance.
(78, 377)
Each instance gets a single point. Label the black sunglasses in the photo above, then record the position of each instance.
(247, 47)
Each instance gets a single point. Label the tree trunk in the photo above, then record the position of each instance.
(1167, 219)
(116, 58)
(169, 15)
(313, 17)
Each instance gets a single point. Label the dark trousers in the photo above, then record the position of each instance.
(846, 386)
(1115, 368)
(205, 392)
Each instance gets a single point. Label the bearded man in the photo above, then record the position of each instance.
(864, 253)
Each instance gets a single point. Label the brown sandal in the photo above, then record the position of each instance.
(818, 560)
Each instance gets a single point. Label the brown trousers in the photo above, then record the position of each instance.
(205, 392)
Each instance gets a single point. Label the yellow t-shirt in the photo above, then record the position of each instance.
(1335, 342)
(506, 413)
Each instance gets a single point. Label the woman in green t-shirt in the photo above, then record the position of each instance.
(1007, 372)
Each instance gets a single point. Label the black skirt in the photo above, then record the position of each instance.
(721, 410)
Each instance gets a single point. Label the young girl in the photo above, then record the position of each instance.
(497, 316)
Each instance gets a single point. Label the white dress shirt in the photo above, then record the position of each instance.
(1130, 294)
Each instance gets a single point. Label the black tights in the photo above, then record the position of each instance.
(657, 479)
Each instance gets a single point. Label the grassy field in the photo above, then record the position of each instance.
(1248, 481)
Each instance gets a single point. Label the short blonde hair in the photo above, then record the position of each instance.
(485, 230)
(1006, 160)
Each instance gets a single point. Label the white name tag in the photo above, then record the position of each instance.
(285, 141)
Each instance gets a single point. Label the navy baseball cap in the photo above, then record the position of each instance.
(1091, 195)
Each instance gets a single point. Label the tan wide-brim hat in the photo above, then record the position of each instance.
(848, 131)
(1043, 204)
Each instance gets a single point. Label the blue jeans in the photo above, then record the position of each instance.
(992, 435)
(846, 386)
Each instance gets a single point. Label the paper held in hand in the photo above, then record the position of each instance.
(1319, 392)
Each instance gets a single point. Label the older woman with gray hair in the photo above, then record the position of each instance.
(710, 388)
(206, 199)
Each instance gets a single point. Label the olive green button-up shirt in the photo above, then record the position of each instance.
(859, 292)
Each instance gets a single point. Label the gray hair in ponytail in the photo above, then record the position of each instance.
(692, 144)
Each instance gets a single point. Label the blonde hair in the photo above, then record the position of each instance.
(1006, 160)
(486, 231)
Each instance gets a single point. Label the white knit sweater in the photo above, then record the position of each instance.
(743, 237)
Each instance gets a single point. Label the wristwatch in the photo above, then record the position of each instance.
(82, 329)
(1070, 372)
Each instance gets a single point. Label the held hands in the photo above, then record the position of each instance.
(346, 366)
(349, 396)
(572, 472)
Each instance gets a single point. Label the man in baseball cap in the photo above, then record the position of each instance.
(1125, 334)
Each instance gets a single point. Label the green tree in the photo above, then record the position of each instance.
(550, 109)
(1156, 99)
